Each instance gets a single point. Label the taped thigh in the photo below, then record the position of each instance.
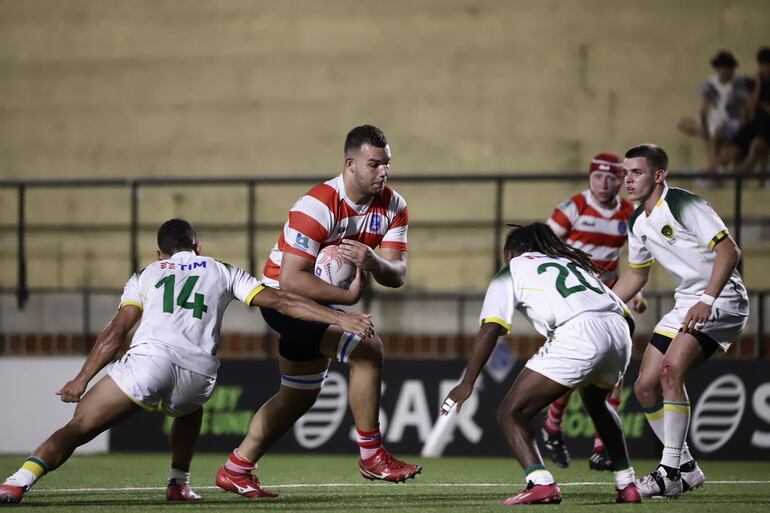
(304, 382)
(348, 343)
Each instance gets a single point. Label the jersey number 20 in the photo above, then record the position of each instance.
(561, 280)
(196, 305)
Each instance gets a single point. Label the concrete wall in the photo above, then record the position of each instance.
(34, 414)
(93, 88)
(125, 88)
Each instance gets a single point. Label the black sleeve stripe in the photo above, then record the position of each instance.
(719, 237)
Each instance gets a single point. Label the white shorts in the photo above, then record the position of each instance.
(593, 348)
(723, 327)
(150, 381)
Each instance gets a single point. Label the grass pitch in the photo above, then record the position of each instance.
(318, 482)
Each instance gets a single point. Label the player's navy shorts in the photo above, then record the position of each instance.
(299, 340)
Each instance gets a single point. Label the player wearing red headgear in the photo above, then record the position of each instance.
(595, 221)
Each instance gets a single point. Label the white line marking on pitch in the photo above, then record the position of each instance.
(347, 485)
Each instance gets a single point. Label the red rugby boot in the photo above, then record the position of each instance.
(387, 468)
(535, 494)
(244, 484)
(10, 494)
(176, 492)
(629, 494)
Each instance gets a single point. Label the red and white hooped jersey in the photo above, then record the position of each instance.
(584, 224)
(325, 215)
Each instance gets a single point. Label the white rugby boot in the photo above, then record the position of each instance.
(663, 482)
(692, 476)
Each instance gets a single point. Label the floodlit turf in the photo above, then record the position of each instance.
(317, 482)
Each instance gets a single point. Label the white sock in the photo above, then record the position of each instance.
(369, 442)
(22, 478)
(676, 419)
(539, 476)
(654, 416)
(624, 478)
(180, 476)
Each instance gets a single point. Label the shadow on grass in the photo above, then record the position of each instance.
(298, 502)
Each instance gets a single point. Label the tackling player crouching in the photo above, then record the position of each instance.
(171, 363)
(588, 346)
(682, 233)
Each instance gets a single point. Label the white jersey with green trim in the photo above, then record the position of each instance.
(549, 291)
(680, 233)
(183, 300)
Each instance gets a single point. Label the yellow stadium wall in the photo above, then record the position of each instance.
(93, 88)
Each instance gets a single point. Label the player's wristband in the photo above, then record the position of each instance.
(707, 300)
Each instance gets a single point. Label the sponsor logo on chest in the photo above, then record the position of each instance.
(182, 267)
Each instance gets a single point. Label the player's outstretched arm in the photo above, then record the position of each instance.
(728, 255)
(300, 307)
(389, 269)
(483, 345)
(297, 276)
(631, 282)
(104, 351)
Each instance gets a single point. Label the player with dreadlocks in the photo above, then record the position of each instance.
(588, 345)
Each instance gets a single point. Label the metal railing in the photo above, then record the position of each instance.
(85, 317)
(252, 225)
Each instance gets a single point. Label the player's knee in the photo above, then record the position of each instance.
(82, 428)
(75, 426)
(517, 411)
(671, 374)
(368, 351)
(644, 390)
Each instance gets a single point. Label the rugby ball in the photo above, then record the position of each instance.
(333, 268)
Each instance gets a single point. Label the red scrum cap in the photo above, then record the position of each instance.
(606, 163)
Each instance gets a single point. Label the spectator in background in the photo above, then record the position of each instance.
(721, 113)
(759, 109)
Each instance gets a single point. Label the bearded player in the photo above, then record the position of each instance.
(359, 212)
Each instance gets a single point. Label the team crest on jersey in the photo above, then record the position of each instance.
(668, 232)
(622, 227)
(375, 223)
(302, 241)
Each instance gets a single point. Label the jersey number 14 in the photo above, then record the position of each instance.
(197, 305)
